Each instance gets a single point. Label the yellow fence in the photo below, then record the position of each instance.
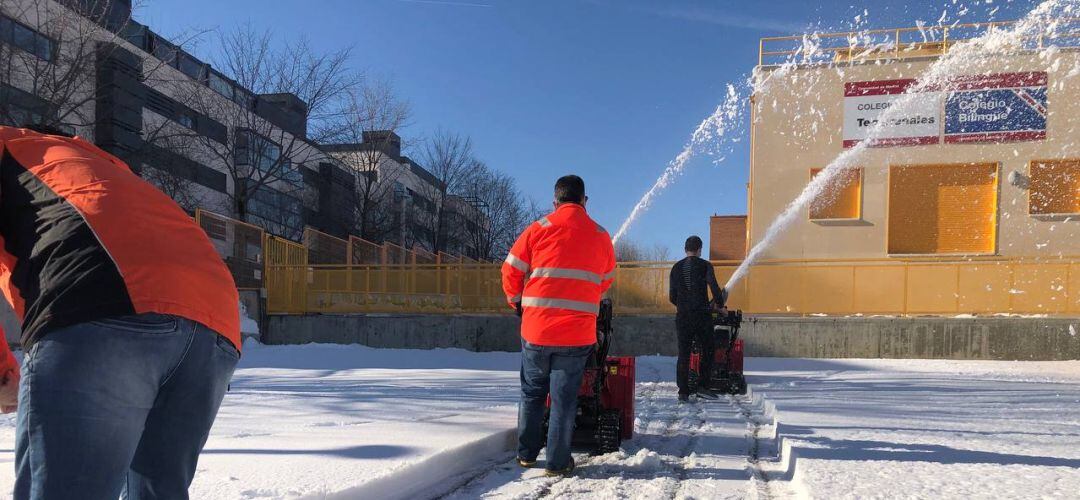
(240, 245)
(872, 287)
(419, 288)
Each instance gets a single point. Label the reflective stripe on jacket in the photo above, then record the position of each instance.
(557, 270)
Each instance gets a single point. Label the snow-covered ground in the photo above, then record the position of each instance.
(323, 421)
(326, 421)
(922, 429)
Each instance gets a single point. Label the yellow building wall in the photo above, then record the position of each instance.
(798, 127)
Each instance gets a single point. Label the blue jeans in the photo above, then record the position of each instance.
(557, 370)
(121, 405)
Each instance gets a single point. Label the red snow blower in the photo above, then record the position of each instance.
(605, 411)
(727, 369)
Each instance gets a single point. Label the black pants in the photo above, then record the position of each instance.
(691, 326)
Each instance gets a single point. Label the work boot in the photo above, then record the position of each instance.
(705, 393)
(562, 472)
(684, 398)
(525, 463)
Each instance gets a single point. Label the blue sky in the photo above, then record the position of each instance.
(607, 89)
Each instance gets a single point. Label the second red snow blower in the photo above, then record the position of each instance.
(605, 410)
(727, 368)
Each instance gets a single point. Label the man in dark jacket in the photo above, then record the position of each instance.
(691, 281)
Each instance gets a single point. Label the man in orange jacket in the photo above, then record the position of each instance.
(130, 324)
(554, 276)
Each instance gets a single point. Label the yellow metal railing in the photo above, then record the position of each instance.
(896, 43)
(240, 245)
(981, 285)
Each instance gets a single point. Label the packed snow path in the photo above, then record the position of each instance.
(693, 450)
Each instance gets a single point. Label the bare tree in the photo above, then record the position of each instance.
(449, 158)
(372, 117)
(50, 52)
(626, 250)
(48, 55)
(502, 212)
(261, 158)
(178, 187)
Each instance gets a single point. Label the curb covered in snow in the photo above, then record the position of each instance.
(435, 474)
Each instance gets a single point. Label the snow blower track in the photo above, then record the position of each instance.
(693, 450)
(756, 413)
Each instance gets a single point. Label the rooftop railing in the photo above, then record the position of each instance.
(898, 43)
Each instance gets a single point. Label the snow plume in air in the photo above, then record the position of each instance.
(977, 56)
(710, 137)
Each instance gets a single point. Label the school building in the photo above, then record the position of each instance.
(966, 202)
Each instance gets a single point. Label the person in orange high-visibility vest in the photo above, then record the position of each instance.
(129, 321)
(554, 276)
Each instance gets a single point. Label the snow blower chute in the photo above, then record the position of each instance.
(605, 411)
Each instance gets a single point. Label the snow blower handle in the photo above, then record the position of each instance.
(603, 330)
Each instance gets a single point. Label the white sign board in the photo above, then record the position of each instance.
(864, 102)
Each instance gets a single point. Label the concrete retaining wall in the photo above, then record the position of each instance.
(917, 338)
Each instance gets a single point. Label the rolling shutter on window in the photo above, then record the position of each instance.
(841, 198)
(943, 209)
(1055, 187)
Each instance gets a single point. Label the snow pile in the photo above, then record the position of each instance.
(248, 326)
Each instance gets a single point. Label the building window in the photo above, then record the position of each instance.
(190, 66)
(19, 35)
(842, 197)
(262, 153)
(186, 119)
(943, 209)
(278, 212)
(258, 151)
(244, 98)
(19, 108)
(220, 85)
(164, 51)
(1054, 187)
(135, 34)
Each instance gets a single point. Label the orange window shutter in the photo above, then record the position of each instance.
(943, 209)
(841, 198)
(1054, 187)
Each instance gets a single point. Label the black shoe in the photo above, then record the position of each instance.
(525, 463)
(707, 394)
(684, 398)
(562, 472)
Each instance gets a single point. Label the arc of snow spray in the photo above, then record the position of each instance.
(713, 128)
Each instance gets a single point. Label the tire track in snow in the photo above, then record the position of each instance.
(759, 477)
(677, 452)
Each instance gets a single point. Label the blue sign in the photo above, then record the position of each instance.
(997, 108)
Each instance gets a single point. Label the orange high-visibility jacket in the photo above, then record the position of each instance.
(558, 269)
(83, 238)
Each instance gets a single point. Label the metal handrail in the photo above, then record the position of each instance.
(896, 34)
